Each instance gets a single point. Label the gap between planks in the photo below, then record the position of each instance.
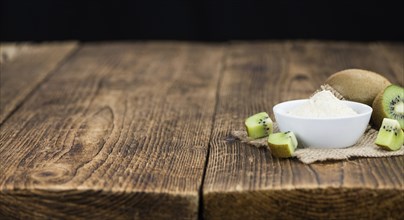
(205, 167)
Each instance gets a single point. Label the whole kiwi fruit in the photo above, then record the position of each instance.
(358, 85)
(389, 103)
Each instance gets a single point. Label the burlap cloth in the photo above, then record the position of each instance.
(365, 146)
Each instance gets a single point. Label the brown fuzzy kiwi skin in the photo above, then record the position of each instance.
(378, 114)
(358, 85)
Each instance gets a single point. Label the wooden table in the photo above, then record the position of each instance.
(141, 130)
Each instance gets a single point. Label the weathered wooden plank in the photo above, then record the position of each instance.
(243, 182)
(393, 53)
(121, 131)
(24, 67)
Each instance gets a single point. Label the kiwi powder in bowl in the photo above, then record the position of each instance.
(323, 121)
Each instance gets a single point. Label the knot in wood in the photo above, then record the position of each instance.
(57, 173)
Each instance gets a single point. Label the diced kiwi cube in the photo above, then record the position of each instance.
(259, 125)
(390, 136)
(283, 144)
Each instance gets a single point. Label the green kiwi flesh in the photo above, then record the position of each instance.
(259, 125)
(282, 144)
(390, 136)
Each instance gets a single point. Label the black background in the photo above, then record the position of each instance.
(199, 20)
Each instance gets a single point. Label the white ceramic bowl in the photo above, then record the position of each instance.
(339, 132)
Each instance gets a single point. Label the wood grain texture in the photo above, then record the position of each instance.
(243, 182)
(393, 53)
(24, 67)
(121, 131)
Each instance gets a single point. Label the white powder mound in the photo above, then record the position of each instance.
(323, 105)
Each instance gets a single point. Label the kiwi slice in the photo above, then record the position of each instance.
(390, 136)
(282, 144)
(259, 125)
(389, 104)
